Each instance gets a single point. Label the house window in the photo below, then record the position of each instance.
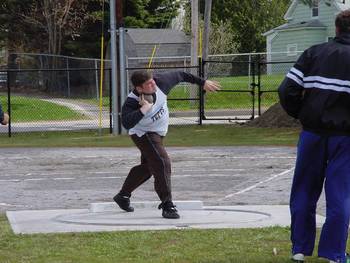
(314, 8)
(292, 49)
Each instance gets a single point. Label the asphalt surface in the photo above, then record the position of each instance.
(62, 178)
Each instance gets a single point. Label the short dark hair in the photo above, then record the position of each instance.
(140, 76)
(342, 21)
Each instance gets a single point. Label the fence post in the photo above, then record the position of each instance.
(9, 101)
(201, 91)
(68, 78)
(250, 68)
(110, 102)
(96, 80)
(259, 85)
(253, 88)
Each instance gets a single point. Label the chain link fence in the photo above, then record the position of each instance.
(272, 68)
(249, 84)
(50, 93)
(55, 93)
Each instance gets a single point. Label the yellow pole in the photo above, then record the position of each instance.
(101, 83)
(151, 59)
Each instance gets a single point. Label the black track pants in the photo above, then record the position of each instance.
(154, 161)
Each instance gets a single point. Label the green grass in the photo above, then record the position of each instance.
(191, 135)
(223, 99)
(222, 245)
(96, 102)
(25, 109)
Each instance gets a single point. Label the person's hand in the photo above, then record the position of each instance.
(6, 119)
(211, 86)
(145, 105)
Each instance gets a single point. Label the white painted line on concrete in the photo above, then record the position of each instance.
(4, 204)
(34, 179)
(201, 175)
(257, 184)
(105, 177)
(214, 170)
(10, 180)
(9, 205)
(207, 175)
(242, 157)
(16, 158)
(126, 170)
(110, 177)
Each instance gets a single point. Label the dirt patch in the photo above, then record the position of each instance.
(274, 117)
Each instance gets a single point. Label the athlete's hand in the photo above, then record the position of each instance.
(6, 119)
(145, 105)
(211, 86)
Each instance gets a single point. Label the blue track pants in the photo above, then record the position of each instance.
(321, 160)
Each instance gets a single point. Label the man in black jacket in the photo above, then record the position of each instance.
(145, 114)
(317, 92)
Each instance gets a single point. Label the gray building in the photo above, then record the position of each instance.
(168, 43)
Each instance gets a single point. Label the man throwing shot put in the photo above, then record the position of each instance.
(145, 113)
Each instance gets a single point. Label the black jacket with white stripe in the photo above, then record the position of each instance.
(317, 88)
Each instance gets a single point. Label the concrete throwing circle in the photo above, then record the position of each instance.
(147, 217)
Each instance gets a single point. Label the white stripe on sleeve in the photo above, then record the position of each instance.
(297, 72)
(295, 78)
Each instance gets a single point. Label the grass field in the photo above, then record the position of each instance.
(25, 109)
(190, 135)
(235, 93)
(223, 245)
(225, 99)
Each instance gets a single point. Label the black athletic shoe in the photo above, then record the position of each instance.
(123, 202)
(169, 210)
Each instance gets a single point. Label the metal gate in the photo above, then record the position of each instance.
(249, 87)
(236, 100)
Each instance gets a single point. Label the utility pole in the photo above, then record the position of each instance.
(123, 90)
(206, 33)
(194, 41)
(114, 58)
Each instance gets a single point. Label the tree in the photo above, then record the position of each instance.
(72, 27)
(57, 18)
(14, 33)
(247, 20)
(149, 13)
(41, 26)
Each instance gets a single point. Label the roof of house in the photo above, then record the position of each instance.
(312, 23)
(337, 3)
(341, 6)
(157, 36)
